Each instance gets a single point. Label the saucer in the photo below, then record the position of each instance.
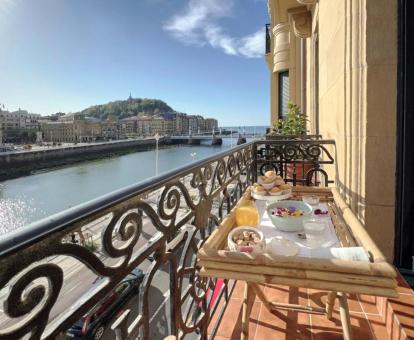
(280, 246)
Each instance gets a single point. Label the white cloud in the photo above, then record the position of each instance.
(198, 24)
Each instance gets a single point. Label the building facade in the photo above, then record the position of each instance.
(337, 60)
(211, 124)
(19, 126)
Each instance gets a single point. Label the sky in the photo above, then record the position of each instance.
(200, 56)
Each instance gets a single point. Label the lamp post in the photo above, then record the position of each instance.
(193, 155)
(157, 138)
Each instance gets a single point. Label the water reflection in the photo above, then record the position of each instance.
(27, 199)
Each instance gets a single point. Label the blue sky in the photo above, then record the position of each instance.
(200, 56)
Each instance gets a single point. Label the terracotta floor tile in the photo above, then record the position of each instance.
(322, 328)
(318, 298)
(369, 304)
(403, 286)
(284, 324)
(230, 326)
(288, 325)
(378, 327)
(238, 290)
(361, 327)
(213, 320)
(277, 293)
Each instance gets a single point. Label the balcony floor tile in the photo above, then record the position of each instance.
(367, 320)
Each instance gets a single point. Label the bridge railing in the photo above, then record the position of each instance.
(53, 272)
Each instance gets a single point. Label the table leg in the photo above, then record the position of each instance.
(330, 304)
(246, 312)
(259, 293)
(345, 319)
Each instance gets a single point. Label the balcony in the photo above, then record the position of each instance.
(268, 39)
(54, 272)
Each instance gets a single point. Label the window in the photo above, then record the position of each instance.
(283, 93)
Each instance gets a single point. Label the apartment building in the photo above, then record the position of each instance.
(337, 60)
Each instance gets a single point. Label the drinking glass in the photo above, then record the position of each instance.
(314, 231)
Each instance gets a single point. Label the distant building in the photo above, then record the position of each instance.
(18, 125)
(192, 124)
(211, 124)
(181, 124)
(73, 128)
(77, 128)
(128, 127)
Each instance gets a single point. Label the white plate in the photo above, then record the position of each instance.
(272, 198)
(280, 246)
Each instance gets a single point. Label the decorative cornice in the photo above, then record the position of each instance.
(281, 47)
(301, 21)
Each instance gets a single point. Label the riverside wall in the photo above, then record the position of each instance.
(22, 163)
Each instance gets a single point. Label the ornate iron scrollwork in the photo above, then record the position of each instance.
(183, 207)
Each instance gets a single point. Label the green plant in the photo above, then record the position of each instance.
(91, 245)
(293, 123)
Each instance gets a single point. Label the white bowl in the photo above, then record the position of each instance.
(275, 193)
(268, 186)
(289, 223)
(258, 248)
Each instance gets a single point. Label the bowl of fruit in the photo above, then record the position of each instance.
(289, 215)
(246, 240)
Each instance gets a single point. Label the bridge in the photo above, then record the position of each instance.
(193, 140)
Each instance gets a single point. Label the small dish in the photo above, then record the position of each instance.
(275, 192)
(311, 199)
(267, 186)
(252, 247)
(280, 246)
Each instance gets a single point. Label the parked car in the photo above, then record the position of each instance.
(92, 325)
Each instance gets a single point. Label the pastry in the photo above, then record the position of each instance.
(270, 174)
(285, 187)
(268, 181)
(275, 191)
(259, 190)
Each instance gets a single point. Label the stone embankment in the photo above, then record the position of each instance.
(21, 163)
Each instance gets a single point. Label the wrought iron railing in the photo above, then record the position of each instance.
(300, 161)
(268, 39)
(55, 271)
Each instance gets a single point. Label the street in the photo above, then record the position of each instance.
(78, 280)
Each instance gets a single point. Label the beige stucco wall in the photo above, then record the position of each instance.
(354, 101)
(357, 106)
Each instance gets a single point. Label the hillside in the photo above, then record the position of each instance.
(127, 108)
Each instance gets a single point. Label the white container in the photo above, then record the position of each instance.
(267, 186)
(311, 199)
(289, 223)
(280, 246)
(257, 248)
(314, 231)
(275, 193)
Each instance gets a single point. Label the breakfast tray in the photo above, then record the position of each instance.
(337, 276)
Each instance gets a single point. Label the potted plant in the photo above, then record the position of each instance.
(292, 126)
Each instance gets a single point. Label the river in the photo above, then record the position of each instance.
(28, 199)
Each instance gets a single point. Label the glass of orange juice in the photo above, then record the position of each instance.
(247, 215)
